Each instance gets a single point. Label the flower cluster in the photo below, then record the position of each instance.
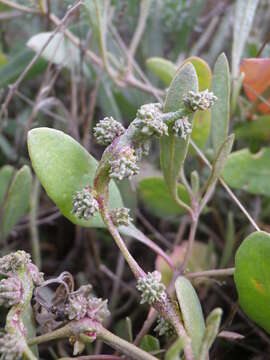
(84, 204)
(120, 216)
(164, 327)
(11, 347)
(107, 130)
(151, 288)
(182, 127)
(82, 303)
(149, 120)
(124, 166)
(199, 100)
(11, 291)
(14, 262)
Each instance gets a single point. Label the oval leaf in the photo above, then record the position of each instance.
(63, 167)
(249, 172)
(162, 68)
(252, 277)
(17, 200)
(191, 312)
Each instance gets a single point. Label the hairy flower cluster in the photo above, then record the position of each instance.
(182, 127)
(149, 120)
(125, 166)
(107, 130)
(164, 327)
(151, 288)
(10, 347)
(82, 303)
(11, 291)
(199, 100)
(84, 204)
(14, 262)
(120, 216)
(142, 149)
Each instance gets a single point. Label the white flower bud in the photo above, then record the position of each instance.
(84, 204)
(120, 216)
(11, 347)
(11, 291)
(98, 309)
(182, 127)
(199, 100)
(14, 261)
(164, 327)
(149, 120)
(125, 166)
(151, 288)
(77, 305)
(107, 130)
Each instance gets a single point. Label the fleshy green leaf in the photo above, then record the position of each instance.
(201, 128)
(6, 173)
(63, 167)
(162, 68)
(244, 14)
(174, 350)
(221, 109)
(155, 195)
(254, 130)
(149, 344)
(191, 312)
(173, 149)
(17, 200)
(212, 326)
(252, 278)
(249, 172)
(203, 71)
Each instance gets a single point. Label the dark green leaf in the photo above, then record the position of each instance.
(149, 344)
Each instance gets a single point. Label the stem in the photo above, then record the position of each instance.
(127, 348)
(20, 7)
(226, 187)
(33, 223)
(191, 240)
(211, 273)
(63, 332)
(134, 266)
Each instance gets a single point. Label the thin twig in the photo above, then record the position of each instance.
(211, 273)
(20, 7)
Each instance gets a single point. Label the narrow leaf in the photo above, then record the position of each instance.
(6, 173)
(173, 150)
(17, 201)
(244, 14)
(221, 109)
(191, 312)
(63, 167)
(174, 350)
(212, 326)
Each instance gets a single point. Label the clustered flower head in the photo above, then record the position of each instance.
(149, 120)
(82, 303)
(11, 347)
(120, 216)
(107, 130)
(199, 100)
(124, 166)
(84, 204)
(14, 262)
(164, 327)
(182, 127)
(151, 288)
(11, 291)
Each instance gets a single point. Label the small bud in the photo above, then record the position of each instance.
(164, 327)
(84, 204)
(120, 216)
(78, 347)
(11, 347)
(149, 120)
(98, 309)
(11, 291)
(125, 166)
(142, 149)
(151, 288)
(14, 261)
(77, 305)
(199, 100)
(182, 127)
(107, 130)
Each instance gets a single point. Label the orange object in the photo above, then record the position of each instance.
(256, 80)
